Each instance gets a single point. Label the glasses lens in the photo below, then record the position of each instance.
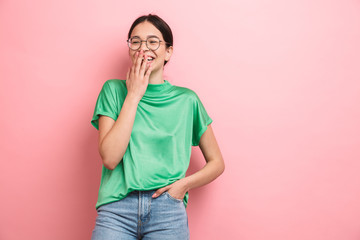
(134, 43)
(153, 43)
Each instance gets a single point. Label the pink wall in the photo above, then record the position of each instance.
(279, 78)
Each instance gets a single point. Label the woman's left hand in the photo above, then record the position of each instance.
(176, 189)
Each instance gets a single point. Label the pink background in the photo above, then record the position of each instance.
(279, 78)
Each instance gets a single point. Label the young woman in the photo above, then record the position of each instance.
(146, 129)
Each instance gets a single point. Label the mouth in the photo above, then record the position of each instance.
(148, 58)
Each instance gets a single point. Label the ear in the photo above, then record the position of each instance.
(168, 53)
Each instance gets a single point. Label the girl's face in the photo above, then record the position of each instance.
(143, 30)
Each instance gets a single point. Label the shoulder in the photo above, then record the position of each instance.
(116, 86)
(115, 83)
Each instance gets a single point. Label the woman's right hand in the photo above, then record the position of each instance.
(137, 77)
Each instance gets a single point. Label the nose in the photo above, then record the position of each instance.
(143, 46)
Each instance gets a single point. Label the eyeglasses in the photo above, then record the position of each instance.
(152, 43)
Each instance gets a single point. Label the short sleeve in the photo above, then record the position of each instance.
(105, 105)
(201, 120)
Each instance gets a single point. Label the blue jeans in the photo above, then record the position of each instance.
(139, 216)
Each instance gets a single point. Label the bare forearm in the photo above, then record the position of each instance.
(207, 174)
(115, 143)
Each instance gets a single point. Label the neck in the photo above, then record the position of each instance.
(156, 77)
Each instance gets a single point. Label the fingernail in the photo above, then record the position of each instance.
(154, 195)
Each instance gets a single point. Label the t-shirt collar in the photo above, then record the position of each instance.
(156, 89)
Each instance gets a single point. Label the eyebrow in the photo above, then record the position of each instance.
(147, 36)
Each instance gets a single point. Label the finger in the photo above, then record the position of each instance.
(138, 61)
(132, 68)
(159, 192)
(148, 71)
(143, 66)
(131, 72)
(127, 74)
(136, 57)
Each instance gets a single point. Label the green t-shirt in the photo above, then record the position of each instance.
(168, 121)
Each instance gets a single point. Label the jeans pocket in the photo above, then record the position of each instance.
(172, 198)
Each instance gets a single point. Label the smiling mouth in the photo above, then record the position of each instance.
(148, 59)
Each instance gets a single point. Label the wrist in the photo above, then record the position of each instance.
(133, 98)
(186, 183)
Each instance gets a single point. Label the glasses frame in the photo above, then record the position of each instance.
(141, 41)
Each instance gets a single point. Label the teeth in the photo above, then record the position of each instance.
(148, 59)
